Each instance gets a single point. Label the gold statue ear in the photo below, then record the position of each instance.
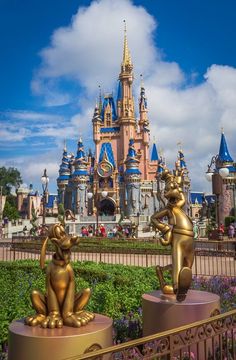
(43, 253)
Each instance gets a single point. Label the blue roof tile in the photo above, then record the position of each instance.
(106, 147)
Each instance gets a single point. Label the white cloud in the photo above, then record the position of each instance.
(32, 166)
(31, 115)
(89, 51)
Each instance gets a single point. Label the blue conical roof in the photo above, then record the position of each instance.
(80, 163)
(64, 171)
(224, 155)
(154, 155)
(132, 162)
(182, 162)
(119, 91)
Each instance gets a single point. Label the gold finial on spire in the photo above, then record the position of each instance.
(161, 152)
(179, 144)
(126, 52)
(222, 130)
(154, 139)
(141, 80)
(100, 99)
(65, 149)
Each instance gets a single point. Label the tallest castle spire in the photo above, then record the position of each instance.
(126, 63)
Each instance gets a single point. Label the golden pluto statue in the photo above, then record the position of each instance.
(178, 233)
(60, 305)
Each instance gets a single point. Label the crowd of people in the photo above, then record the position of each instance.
(101, 231)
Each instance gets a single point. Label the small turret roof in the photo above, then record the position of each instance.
(154, 155)
(132, 162)
(224, 155)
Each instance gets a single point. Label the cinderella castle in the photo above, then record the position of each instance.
(121, 176)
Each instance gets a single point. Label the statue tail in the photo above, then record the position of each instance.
(43, 253)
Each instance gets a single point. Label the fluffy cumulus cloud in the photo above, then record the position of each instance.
(88, 52)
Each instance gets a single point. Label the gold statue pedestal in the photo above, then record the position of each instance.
(36, 343)
(162, 312)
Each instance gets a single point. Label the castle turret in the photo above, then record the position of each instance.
(227, 197)
(97, 122)
(64, 175)
(143, 112)
(224, 157)
(182, 176)
(132, 182)
(80, 179)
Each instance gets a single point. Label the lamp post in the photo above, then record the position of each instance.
(44, 181)
(216, 174)
(1, 207)
(90, 195)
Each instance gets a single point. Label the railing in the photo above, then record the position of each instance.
(211, 257)
(214, 338)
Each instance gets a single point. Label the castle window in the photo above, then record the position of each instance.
(108, 119)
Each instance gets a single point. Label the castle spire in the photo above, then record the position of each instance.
(126, 65)
(65, 145)
(100, 99)
(64, 175)
(126, 53)
(143, 122)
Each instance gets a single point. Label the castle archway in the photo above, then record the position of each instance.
(107, 207)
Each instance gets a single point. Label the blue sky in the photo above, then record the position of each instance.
(55, 53)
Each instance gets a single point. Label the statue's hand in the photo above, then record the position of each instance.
(53, 320)
(167, 237)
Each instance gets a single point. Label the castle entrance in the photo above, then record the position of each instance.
(107, 207)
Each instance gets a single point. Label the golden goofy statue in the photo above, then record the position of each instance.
(179, 234)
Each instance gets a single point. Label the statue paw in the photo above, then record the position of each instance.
(35, 320)
(79, 318)
(52, 321)
(72, 320)
(85, 316)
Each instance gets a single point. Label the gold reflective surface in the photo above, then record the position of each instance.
(178, 233)
(60, 305)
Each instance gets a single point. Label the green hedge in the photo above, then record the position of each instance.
(102, 245)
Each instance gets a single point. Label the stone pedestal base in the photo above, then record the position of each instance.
(35, 343)
(163, 312)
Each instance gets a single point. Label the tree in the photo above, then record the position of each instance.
(9, 177)
(10, 211)
(61, 213)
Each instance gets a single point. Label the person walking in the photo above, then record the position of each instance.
(231, 231)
